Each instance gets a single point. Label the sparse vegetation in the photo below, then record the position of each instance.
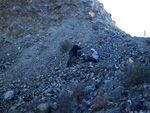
(43, 47)
(77, 92)
(64, 46)
(64, 102)
(137, 73)
(100, 101)
(73, 2)
(100, 43)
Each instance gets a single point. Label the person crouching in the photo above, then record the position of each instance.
(93, 57)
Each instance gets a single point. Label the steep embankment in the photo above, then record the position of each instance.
(34, 76)
(31, 31)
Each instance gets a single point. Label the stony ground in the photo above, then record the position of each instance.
(34, 77)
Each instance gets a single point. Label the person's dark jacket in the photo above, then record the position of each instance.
(74, 50)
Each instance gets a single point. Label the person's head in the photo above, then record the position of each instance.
(92, 50)
(79, 44)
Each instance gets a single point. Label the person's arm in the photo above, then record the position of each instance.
(78, 47)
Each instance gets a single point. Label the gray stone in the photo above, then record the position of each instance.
(95, 26)
(48, 90)
(15, 106)
(9, 95)
(43, 108)
(147, 104)
(67, 1)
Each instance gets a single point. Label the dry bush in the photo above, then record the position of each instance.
(100, 101)
(136, 74)
(77, 92)
(73, 2)
(64, 102)
(64, 46)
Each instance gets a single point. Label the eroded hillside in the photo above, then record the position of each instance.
(33, 72)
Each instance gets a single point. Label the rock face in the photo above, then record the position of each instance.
(33, 73)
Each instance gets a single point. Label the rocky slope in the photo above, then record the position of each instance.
(34, 76)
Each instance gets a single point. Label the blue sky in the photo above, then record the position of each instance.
(132, 16)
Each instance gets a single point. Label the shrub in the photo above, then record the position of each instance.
(64, 102)
(137, 73)
(100, 101)
(73, 2)
(64, 46)
(77, 92)
(100, 43)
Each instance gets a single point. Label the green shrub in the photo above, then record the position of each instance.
(64, 46)
(100, 43)
(137, 73)
(43, 47)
